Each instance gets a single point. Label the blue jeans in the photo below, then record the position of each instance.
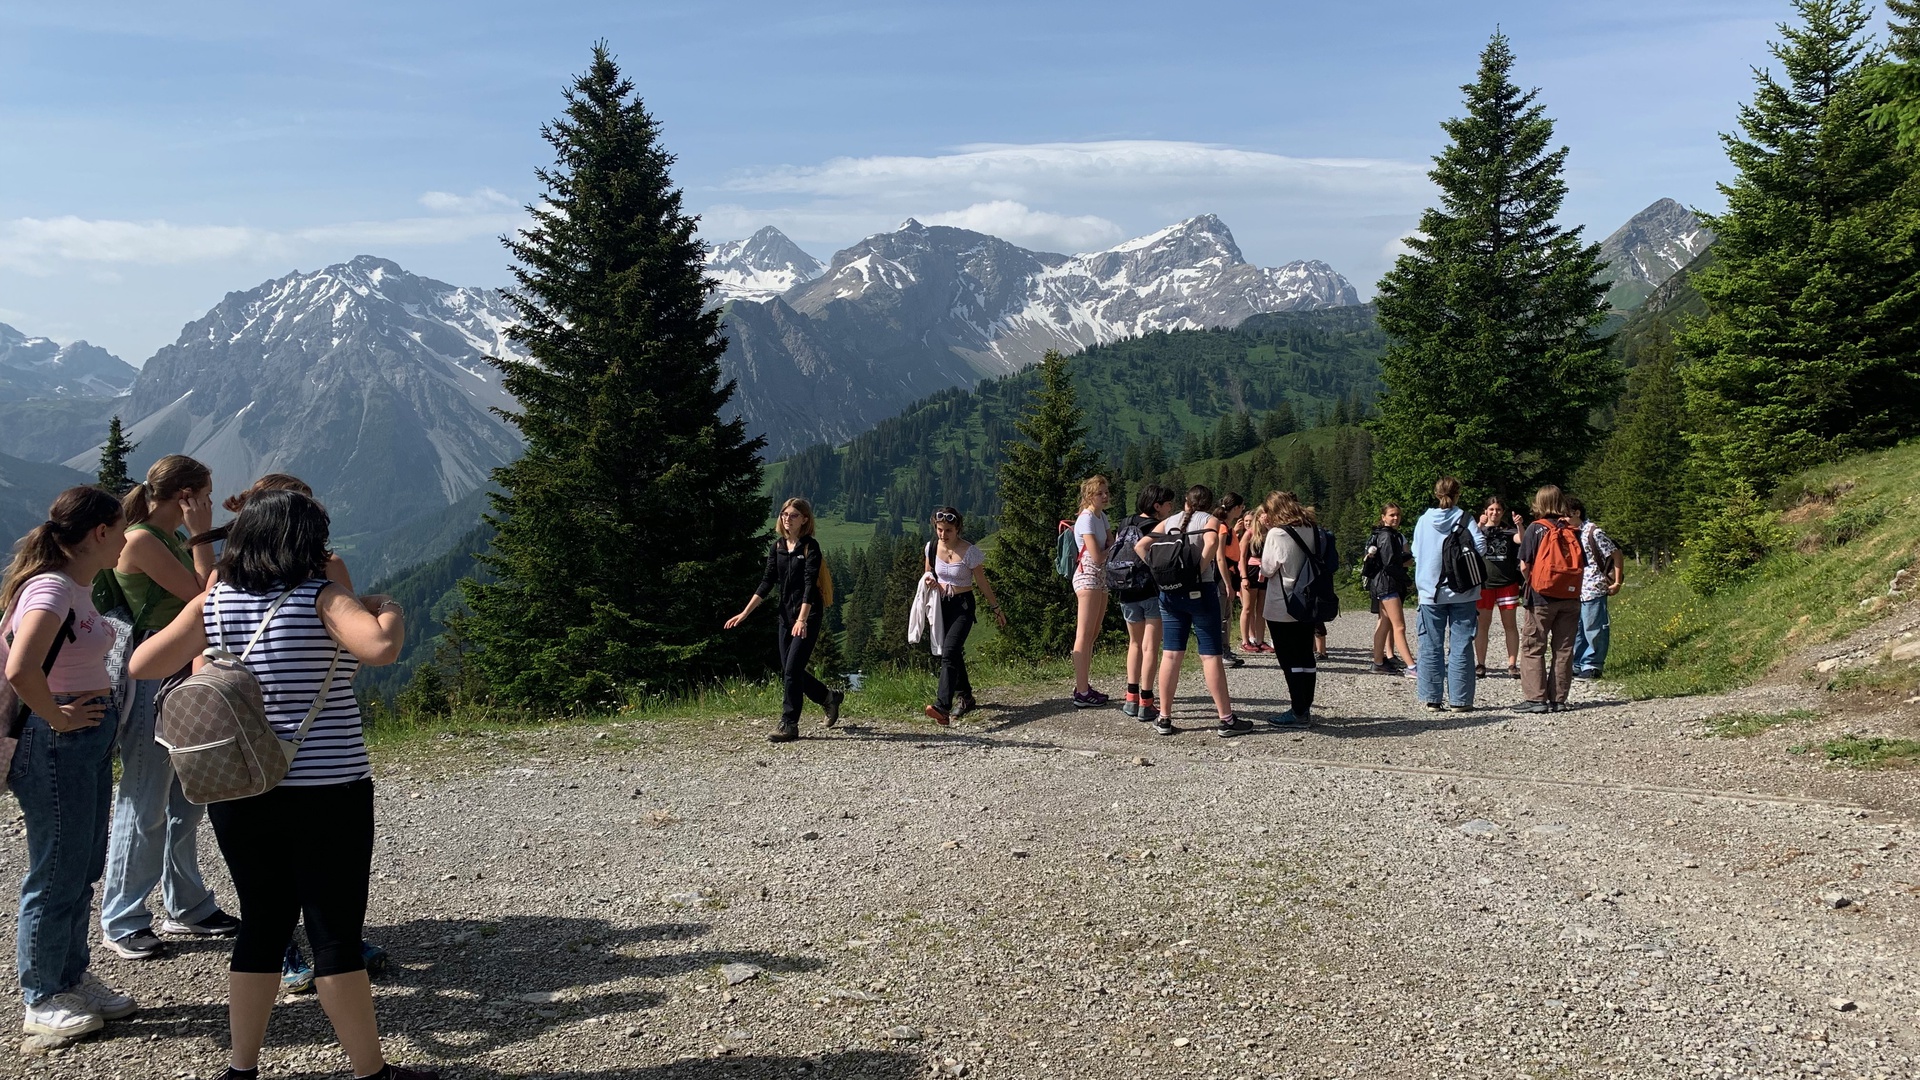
(64, 781)
(1180, 612)
(1448, 629)
(155, 838)
(1591, 637)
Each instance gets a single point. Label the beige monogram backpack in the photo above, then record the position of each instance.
(215, 729)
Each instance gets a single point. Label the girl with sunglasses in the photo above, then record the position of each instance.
(954, 567)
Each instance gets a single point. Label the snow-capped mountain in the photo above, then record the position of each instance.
(760, 267)
(1651, 247)
(905, 313)
(37, 367)
(370, 383)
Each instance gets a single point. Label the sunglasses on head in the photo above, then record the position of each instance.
(945, 516)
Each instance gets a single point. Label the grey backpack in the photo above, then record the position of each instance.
(214, 723)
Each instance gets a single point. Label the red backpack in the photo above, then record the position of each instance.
(1559, 562)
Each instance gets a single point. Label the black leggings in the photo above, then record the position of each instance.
(1293, 647)
(956, 617)
(294, 850)
(794, 654)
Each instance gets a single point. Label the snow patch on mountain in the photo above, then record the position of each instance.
(760, 267)
(39, 367)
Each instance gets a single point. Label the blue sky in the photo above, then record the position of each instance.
(154, 156)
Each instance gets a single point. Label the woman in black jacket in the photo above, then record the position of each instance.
(1386, 569)
(793, 564)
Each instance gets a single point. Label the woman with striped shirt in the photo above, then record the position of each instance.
(308, 843)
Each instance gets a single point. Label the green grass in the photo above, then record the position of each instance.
(1866, 751)
(1747, 725)
(1851, 526)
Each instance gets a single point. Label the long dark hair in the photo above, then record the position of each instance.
(52, 543)
(273, 481)
(278, 541)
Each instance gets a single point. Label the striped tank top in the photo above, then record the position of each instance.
(291, 663)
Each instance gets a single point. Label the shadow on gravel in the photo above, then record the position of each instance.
(845, 1065)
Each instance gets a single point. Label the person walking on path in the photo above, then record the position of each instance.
(1090, 529)
(954, 567)
(1388, 583)
(155, 837)
(1193, 606)
(1141, 612)
(1291, 542)
(793, 565)
(1605, 571)
(1448, 619)
(56, 648)
(304, 847)
(1502, 589)
(1553, 567)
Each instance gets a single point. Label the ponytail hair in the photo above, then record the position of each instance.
(233, 504)
(169, 478)
(53, 543)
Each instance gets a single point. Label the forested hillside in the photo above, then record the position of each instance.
(1166, 399)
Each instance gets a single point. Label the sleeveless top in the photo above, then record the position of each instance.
(153, 606)
(291, 663)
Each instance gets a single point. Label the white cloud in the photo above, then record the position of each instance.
(481, 200)
(1020, 224)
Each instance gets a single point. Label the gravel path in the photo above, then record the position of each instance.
(1046, 893)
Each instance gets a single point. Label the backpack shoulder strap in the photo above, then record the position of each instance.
(264, 621)
(319, 699)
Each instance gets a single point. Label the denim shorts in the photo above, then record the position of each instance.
(1180, 612)
(1139, 611)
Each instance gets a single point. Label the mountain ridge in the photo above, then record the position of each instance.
(34, 368)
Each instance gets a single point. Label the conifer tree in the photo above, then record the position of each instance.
(1643, 490)
(1039, 486)
(112, 476)
(1808, 349)
(634, 523)
(1492, 367)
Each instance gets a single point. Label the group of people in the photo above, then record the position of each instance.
(106, 603)
(1556, 565)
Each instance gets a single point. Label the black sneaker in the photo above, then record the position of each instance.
(1163, 725)
(962, 706)
(785, 733)
(1534, 707)
(1233, 725)
(834, 698)
(139, 945)
(218, 924)
(1233, 659)
(1434, 706)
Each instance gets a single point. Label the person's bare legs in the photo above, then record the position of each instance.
(1395, 611)
(1169, 679)
(1510, 620)
(1093, 608)
(1215, 670)
(1150, 657)
(1136, 653)
(250, 996)
(348, 1000)
(1382, 630)
(1480, 639)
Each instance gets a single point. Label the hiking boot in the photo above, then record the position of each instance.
(104, 1001)
(1232, 725)
(218, 924)
(963, 706)
(1163, 725)
(938, 715)
(62, 1016)
(296, 975)
(834, 698)
(785, 733)
(139, 945)
(1534, 707)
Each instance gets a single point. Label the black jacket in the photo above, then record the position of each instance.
(796, 573)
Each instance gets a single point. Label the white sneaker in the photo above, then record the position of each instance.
(62, 1016)
(111, 1004)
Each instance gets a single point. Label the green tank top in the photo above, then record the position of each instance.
(153, 606)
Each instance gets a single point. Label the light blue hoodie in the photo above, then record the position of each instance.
(1428, 534)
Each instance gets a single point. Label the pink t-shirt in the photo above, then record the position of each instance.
(83, 662)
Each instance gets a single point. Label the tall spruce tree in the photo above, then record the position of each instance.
(1492, 368)
(1039, 486)
(634, 522)
(1895, 85)
(112, 475)
(1643, 487)
(1809, 346)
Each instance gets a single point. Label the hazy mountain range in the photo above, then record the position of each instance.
(37, 367)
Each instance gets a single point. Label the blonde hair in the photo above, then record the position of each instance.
(806, 510)
(1446, 491)
(169, 478)
(1090, 485)
(54, 542)
(1550, 501)
(1283, 508)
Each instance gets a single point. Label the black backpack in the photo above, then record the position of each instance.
(1311, 598)
(1460, 567)
(1128, 577)
(1173, 561)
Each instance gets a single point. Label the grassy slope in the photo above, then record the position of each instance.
(1854, 526)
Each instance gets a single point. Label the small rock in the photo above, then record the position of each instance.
(735, 974)
(633, 1032)
(903, 1033)
(861, 996)
(1836, 900)
(1182, 1042)
(41, 1045)
(809, 835)
(1827, 665)
(1019, 853)
(1902, 581)
(1480, 828)
(1906, 651)
(1841, 1004)
(1142, 762)
(540, 997)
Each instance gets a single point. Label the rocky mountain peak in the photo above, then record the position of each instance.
(1651, 247)
(760, 267)
(38, 367)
